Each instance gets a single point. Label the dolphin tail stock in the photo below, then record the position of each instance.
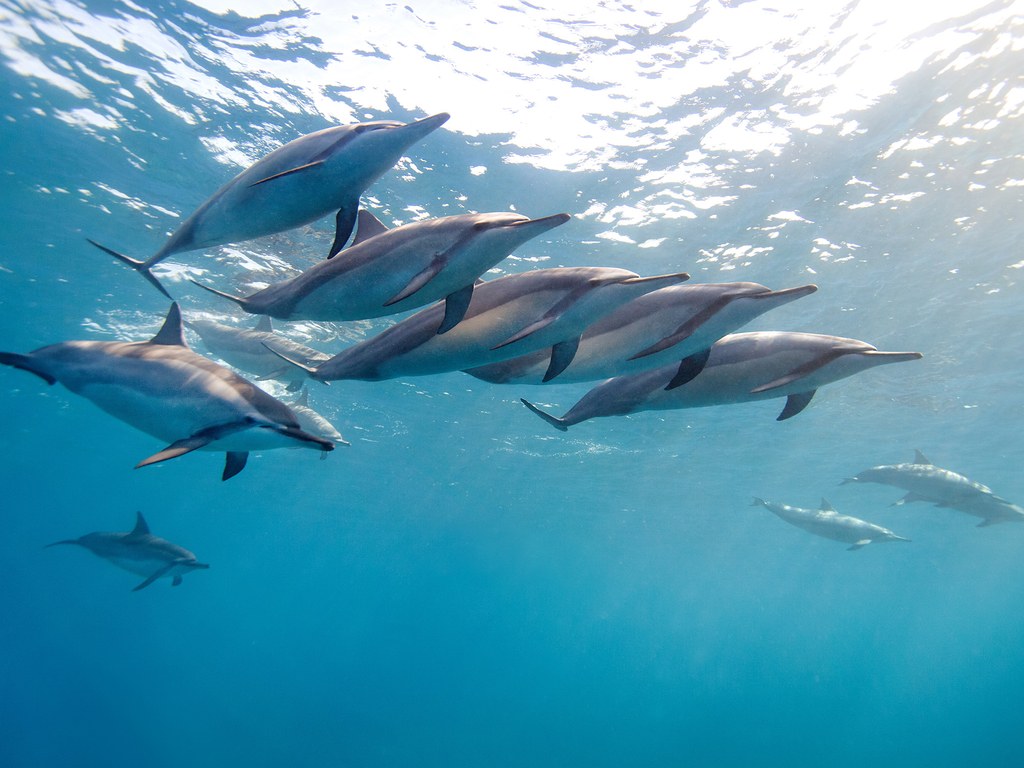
(239, 300)
(554, 421)
(142, 267)
(25, 363)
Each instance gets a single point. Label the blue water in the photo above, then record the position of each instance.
(464, 585)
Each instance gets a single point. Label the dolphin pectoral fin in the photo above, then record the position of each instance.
(156, 575)
(289, 172)
(25, 363)
(562, 355)
(176, 582)
(554, 421)
(689, 368)
(858, 545)
(193, 442)
(455, 307)
(795, 404)
(139, 266)
(234, 463)
(344, 221)
(532, 328)
(425, 276)
(687, 329)
(799, 372)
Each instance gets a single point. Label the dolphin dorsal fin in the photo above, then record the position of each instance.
(826, 507)
(303, 398)
(920, 458)
(171, 333)
(141, 526)
(265, 324)
(367, 226)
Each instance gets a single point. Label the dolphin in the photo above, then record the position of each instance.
(313, 422)
(248, 349)
(139, 551)
(166, 390)
(679, 322)
(509, 316)
(297, 183)
(923, 481)
(826, 522)
(386, 271)
(741, 367)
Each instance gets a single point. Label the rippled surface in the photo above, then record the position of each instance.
(464, 585)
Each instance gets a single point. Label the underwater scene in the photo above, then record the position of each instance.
(456, 383)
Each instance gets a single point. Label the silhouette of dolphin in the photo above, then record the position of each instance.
(297, 183)
(828, 523)
(165, 389)
(140, 552)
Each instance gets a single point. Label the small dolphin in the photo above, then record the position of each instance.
(741, 367)
(386, 271)
(139, 551)
(680, 322)
(300, 182)
(923, 481)
(828, 523)
(313, 422)
(165, 389)
(248, 349)
(509, 316)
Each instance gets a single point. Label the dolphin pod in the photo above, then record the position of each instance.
(923, 481)
(300, 182)
(742, 367)
(386, 271)
(828, 523)
(163, 388)
(544, 309)
(140, 552)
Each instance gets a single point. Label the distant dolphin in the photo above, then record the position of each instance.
(386, 271)
(512, 315)
(300, 182)
(828, 523)
(140, 552)
(742, 367)
(313, 422)
(248, 349)
(923, 481)
(680, 322)
(166, 390)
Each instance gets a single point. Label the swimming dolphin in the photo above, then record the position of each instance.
(386, 271)
(248, 349)
(742, 367)
(509, 316)
(680, 322)
(923, 481)
(166, 390)
(139, 551)
(826, 522)
(297, 183)
(313, 422)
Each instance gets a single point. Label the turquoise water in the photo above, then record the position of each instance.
(464, 585)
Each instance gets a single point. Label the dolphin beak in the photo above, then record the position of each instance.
(543, 224)
(675, 277)
(795, 293)
(420, 128)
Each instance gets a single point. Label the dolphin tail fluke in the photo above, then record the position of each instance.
(554, 421)
(141, 267)
(63, 541)
(25, 363)
(759, 502)
(239, 300)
